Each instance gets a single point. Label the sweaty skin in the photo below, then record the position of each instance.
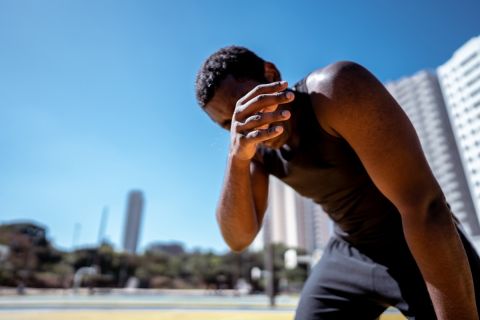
(349, 102)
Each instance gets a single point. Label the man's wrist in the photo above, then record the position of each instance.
(238, 161)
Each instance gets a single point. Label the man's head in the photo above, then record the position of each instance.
(226, 76)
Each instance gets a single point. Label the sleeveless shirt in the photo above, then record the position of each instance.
(327, 170)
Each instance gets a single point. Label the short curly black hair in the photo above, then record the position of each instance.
(237, 61)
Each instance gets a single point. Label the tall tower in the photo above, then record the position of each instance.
(281, 212)
(294, 220)
(421, 98)
(133, 220)
(460, 81)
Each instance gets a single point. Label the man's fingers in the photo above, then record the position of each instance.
(263, 101)
(261, 135)
(248, 129)
(262, 89)
(262, 119)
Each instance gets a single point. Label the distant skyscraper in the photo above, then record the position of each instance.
(323, 227)
(460, 81)
(293, 220)
(281, 213)
(305, 225)
(314, 227)
(421, 98)
(133, 220)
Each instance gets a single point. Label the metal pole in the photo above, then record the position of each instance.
(269, 267)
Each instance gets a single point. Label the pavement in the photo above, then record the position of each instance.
(151, 306)
(157, 315)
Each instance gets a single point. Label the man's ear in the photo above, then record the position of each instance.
(271, 72)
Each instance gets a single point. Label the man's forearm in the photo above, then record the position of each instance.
(439, 253)
(236, 208)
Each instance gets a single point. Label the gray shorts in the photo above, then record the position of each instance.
(348, 284)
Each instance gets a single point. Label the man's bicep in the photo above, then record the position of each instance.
(381, 134)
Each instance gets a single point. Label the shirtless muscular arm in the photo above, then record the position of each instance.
(351, 103)
(243, 197)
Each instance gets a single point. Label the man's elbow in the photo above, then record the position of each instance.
(429, 212)
(237, 237)
(238, 246)
(238, 240)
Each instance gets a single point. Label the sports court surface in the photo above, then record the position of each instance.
(150, 307)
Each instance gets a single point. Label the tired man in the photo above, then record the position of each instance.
(339, 138)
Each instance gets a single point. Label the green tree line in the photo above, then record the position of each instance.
(28, 259)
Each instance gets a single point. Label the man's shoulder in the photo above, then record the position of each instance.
(334, 75)
(337, 88)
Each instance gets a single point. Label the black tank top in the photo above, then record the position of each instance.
(326, 169)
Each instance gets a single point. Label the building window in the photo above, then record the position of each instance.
(468, 59)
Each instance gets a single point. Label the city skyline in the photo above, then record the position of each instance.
(97, 99)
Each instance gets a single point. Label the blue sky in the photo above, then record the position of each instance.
(97, 98)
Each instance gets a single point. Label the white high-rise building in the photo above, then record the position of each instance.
(133, 221)
(293, 220)
(460, 81)
(421, 98)
(282, 207)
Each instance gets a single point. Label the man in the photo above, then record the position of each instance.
(339, 138)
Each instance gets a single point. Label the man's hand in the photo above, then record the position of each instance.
(253, 115)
